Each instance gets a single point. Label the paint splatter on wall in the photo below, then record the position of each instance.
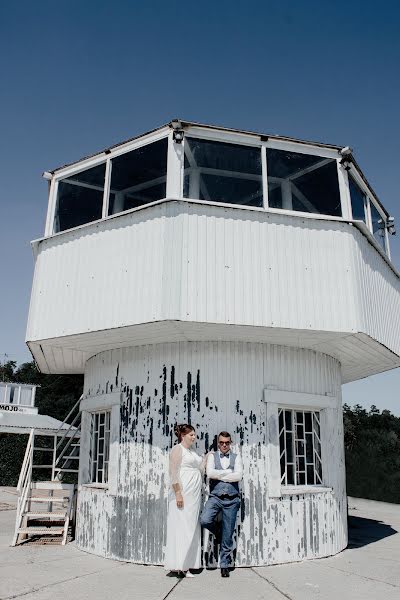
(214, 386)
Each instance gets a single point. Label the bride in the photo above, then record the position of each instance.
(183, 527)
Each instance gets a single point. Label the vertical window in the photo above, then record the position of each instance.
(221, 172)
(80, 198)
(138, 177)
(100, 446)
(300, 447)
(378, 226)
(13, 395)
(358, 201)
(303, 182)
(17, 394)
(26, 396)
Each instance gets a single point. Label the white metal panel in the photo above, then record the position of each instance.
(104, 277)
(214, 266)
(265, 270)
(215, 386)
(378, 294)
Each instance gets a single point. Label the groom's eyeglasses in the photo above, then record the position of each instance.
(224, 443)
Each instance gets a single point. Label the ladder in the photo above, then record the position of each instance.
(47, 508)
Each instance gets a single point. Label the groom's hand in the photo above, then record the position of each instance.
(179, 500)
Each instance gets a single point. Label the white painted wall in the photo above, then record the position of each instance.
(208, 264)
(215, 386)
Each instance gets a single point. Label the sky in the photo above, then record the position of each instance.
(79, 76)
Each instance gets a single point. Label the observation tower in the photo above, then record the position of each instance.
(231, 280)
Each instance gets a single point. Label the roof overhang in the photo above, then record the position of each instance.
(23, 422)
(359, 355)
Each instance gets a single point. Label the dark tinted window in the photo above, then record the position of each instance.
(303, 182)
(138, 177)
(358, 201)
(378, 226)
(221, 172)
(80, 198)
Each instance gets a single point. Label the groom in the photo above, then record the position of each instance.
(224, 470)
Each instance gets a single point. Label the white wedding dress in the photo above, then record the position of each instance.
(182, 551)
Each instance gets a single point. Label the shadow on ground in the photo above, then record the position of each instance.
(367, 531)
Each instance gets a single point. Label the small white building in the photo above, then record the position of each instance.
(19, 415)
(229, 279)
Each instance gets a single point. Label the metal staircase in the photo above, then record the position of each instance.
(47, 508)
(67, 445)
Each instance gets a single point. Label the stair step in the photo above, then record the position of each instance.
(43, 449)
(69, 457)
(49, 499)
(75, 445)
(52, 515)
(40, 466)
(52, 485)
(42, 530)
(67, 470)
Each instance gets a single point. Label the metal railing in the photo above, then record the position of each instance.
(24, 484)
(68, 435)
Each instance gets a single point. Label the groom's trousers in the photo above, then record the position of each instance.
(228, 507)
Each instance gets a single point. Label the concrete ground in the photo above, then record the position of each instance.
(369, 569)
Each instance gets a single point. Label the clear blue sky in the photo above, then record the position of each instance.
(78, 76)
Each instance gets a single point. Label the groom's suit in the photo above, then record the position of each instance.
(224, 472)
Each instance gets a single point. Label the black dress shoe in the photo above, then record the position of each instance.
(225, 572)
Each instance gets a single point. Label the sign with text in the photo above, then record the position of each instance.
(16, 408)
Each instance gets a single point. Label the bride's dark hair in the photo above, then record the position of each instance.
(183, 429)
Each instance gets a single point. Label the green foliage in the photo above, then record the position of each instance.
(12, 450)
(372, 444)
(55, 397)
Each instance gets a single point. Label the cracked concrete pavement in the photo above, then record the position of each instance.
(367, 570)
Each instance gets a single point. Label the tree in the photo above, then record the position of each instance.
(372, 446)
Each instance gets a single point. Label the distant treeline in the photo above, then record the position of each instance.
(371, 438)
(372, 444)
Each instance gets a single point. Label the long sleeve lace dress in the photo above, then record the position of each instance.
(182, 551)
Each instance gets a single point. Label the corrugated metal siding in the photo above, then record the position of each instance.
(101, 277)
(284, 271)
(215, 386)
(378, 294)
(209, 264)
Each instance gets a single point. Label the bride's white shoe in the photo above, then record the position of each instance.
(189, 574)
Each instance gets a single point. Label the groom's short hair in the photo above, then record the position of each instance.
(224, 434)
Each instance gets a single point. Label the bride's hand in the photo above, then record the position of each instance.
(179, 500)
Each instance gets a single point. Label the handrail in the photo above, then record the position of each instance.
(24, 483)
(63, 434)
(29, 448)
(67, 445)
(70, 413)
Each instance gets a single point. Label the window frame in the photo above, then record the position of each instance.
(105, 157)
(250, 144)
(94, 452)
(255, 141)
(293, 412)
(175, 174)
(90, 405)
(4, 395)
(370, 200)
(276, 399)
